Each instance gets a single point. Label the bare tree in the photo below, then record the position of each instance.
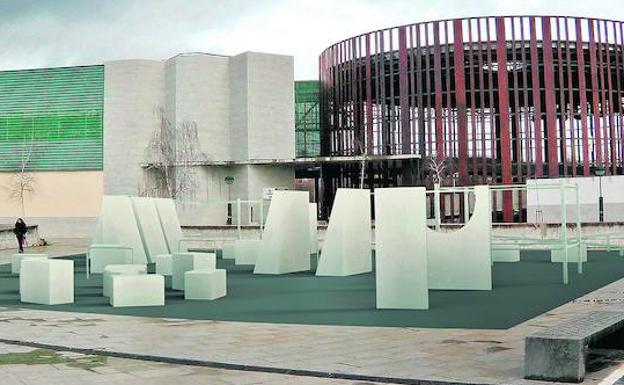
(173, 155)
(22, 183)
(440, 169)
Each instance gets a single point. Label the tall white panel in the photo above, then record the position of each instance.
(285, 241)
(401, 248)
(347, 245)
(119, 226)
(170, 224)
(313, 229)
(149, 226)
(462, 259)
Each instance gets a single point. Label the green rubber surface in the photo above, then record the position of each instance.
(521, 291)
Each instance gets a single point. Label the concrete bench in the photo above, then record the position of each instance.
(559, 353)
(110, 270)
(46, 281)
(16, 260)
(137, 290)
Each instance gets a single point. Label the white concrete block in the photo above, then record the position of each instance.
(164, 264)
(401, 279)
(285, 246)
(205, 284)
(461, 259)
(111, 270)
(150, 229)
(170, 224)
(347, 245)
(228, 251)
(119, 226)
(47, 281)
(505, 255)
(101, 255)
(314, 245)
(16, 260)
(246, 251)
(137, 290)
(558, 256)
(183, 262)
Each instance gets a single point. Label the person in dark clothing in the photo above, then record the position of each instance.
(20, 232)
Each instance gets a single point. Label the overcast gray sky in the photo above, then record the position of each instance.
(69, 32)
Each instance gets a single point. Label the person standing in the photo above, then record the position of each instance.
(20, 232)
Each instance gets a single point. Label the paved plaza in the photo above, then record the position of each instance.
(130, 347)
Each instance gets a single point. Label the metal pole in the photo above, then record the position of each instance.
(564, 231)
(578, 229)
(466, 207)
(436, 205)
(600, 201)
(261, 217)
(238, 217)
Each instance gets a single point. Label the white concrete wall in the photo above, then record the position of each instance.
(133, 90)
(549, 201)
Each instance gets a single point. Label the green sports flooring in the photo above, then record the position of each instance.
(521, 291)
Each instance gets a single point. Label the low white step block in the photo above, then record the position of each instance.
(506, 255)
(16, 260)
(111, 270)
(100, 257)
(47, 281)
(205, 284)
(183, 262)
(246, 251)
(137, 290)
(557, 255)
(227, 252)
(164, 264)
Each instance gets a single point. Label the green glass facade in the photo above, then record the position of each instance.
(51, 119)
(307, 124)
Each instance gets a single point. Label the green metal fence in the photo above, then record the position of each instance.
(307, 125)
(51, 119)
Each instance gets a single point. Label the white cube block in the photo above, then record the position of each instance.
(183, 262)
(111, 270)
(47, 281)
(246, 251)
(137, 290)
(164, 264)
(205, 284)
(228, 251)
(102, 255)
(16, 260)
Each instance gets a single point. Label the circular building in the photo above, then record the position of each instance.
(499, 99)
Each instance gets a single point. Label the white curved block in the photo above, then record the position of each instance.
(47, 281)
(347, 245)
(205, 284)
(401, 248)
(137, 290)
(461, 259)
(111, 270)
(558, 256)
(183, 262)
(313, 229)
(170, 223)
(16, 260)
(149, 227)
(246, 251)
(164, 264)
(285, 246)
(118, 225)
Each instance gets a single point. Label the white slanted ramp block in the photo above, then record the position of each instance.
(47, 281)
(558, 255)
(246, 251)
(16, 260)
(285, 246)
(137, 290)
(347, 245)
(170, 224)
(110, 270)
(205, 284)
(183, 262)
(150, 229)
(401, 248)
(461, 259)
(313, 229)
(119, 226)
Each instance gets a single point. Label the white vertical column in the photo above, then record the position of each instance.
(401, 248)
